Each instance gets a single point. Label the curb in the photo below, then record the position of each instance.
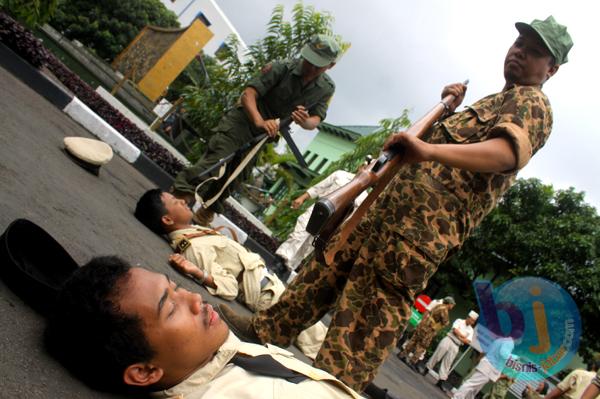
(81, 114)
(87, 118)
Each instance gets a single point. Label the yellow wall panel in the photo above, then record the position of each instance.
(174, 60)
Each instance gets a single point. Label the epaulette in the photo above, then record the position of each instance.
(182, 245)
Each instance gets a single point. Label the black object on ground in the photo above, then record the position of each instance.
(33, 264)
(375, 392)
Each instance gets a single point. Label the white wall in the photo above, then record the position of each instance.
(186, 11)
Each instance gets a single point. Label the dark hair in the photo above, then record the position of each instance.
(545, 388)
(89, 334)
(150, 210)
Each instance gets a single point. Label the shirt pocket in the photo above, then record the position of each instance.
(470, 125)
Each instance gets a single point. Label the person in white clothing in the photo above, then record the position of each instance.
(488, 369)
(299, 244)
(460, 334)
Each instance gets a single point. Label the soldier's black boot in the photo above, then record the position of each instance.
(240, 325)
(375, 392)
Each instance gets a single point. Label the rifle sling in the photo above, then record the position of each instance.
(231, 178)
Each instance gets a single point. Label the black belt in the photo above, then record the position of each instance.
(454, 339)
(265, 280)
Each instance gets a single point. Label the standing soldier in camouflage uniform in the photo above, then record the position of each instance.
(282, 89)
(452, 179)
(428, 328)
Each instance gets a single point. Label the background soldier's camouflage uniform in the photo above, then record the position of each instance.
(422, 217)
(427, 329)
(499, 389)
(280, 91)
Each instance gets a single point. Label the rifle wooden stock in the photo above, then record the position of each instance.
(330, 210)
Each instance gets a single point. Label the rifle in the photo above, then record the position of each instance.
(284, 129)
(331, 210)
(252, 147)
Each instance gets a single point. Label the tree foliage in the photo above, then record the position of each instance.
(367, 145)
(282, 221)
(108, 26)
(30, 12)
(537, 231)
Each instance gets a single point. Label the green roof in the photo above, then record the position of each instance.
(351, 132)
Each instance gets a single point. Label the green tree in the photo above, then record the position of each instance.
(108, 26)
(283, 219)
(30, 12)
(367, 145)
(537, 231)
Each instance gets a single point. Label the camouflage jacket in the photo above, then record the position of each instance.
(437, 319)
(436, 207)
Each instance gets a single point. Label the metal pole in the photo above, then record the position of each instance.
(185, 8)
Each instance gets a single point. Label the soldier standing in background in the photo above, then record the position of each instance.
(428, 328)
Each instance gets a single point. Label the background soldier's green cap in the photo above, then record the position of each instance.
(449, 300)
(553, 34)
(321, 51)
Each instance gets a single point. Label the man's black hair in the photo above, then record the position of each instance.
(88, 333)
(150, 210)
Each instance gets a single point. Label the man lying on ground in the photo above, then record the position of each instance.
(126, 328)
(226, 268)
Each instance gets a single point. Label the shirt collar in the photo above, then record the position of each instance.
(206, 373)
(298, 68)
(174, 235)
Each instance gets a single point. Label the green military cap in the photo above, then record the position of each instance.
(321, 51)
(553, 34)
(449, 300)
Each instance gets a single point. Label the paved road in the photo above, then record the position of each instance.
(89, 216)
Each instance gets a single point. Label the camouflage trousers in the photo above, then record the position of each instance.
(418, 344)
(370, 287)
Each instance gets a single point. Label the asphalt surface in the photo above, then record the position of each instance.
(89, 216)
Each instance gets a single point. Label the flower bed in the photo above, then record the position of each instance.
(268, 242)
(30, 48)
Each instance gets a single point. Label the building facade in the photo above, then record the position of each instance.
(330, 143)
(209, 13)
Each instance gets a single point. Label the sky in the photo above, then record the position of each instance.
(404, 52)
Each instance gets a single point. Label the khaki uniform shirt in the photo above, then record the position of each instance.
(221, 379)
(436, 207)
(225, 260)
(575, 383)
